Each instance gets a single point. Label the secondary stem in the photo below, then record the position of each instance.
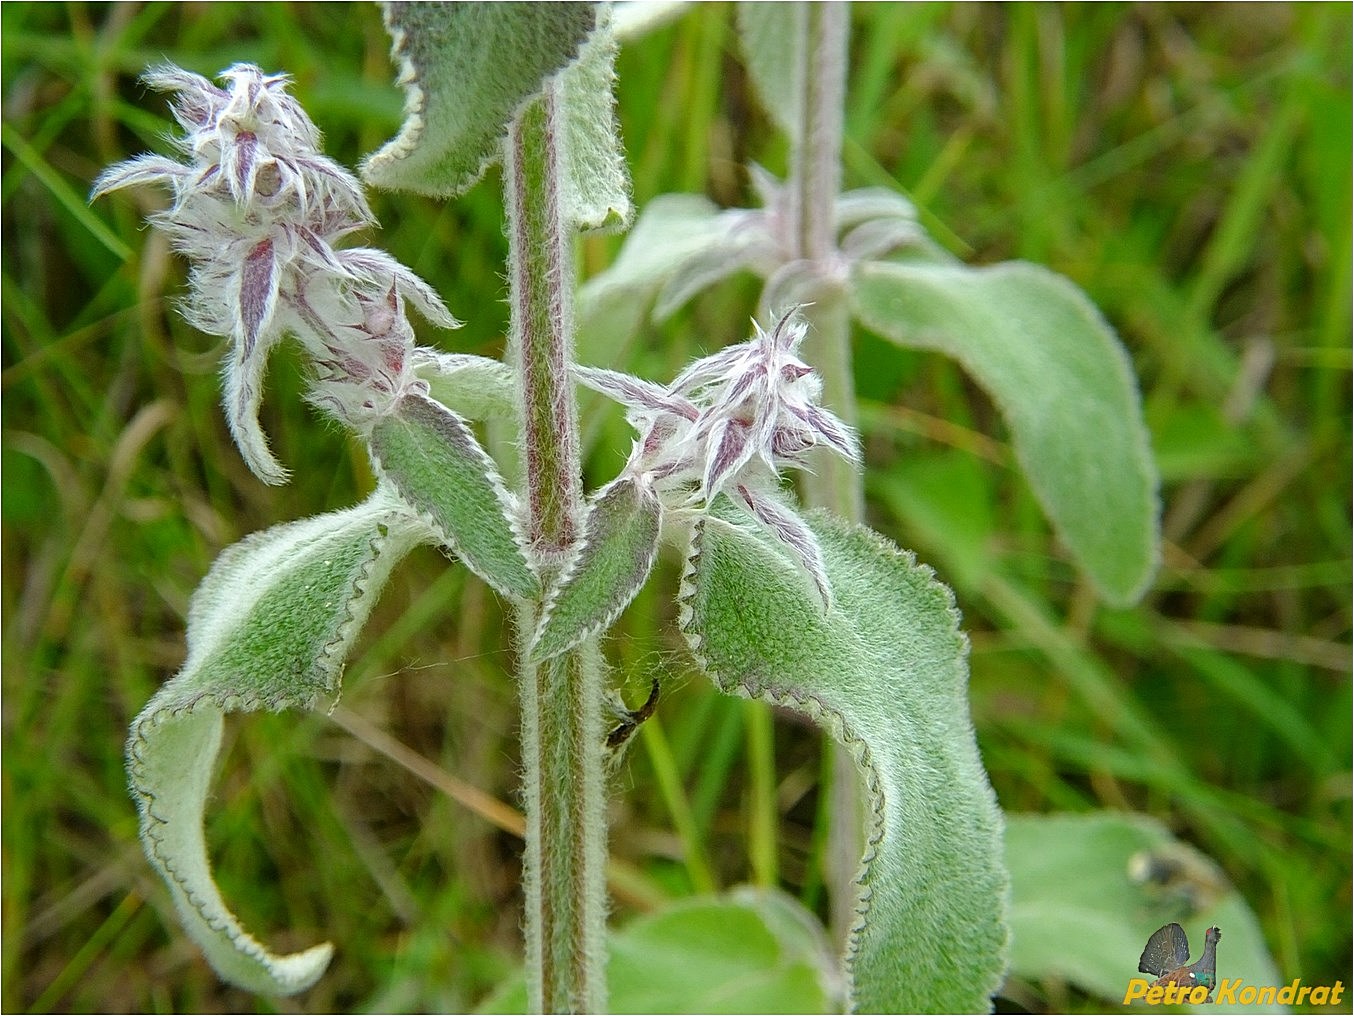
(562, 728)
(815, 182)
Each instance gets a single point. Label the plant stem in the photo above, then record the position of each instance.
(815, 182)
(764, 815)
(815, 176)
(562, 728)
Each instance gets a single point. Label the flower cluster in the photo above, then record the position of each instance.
(729, 423)
(258, 210)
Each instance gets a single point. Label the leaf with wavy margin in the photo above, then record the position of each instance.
(269, 628)
(466, 69)
(884, 670)
(1063, 384)
(431, 457)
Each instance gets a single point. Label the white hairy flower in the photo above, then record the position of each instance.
(729, 423)
(258, 210)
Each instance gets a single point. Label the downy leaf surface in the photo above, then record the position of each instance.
(466, 70)
(1087, 890)
(680, 243)
(884, 670)
(475, 387)
(594, 177)
(269, 628)
(773, 36)
(1064, 386)
(430, 456)
(750, 950)
(613, 560)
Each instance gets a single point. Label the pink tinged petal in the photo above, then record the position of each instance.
(198, 100)
(634, 392)
(789, 444)
(659, 434)
(729, 450)
(709, 369)
(377, 267)
(732, 397)
(242, 392)
(243, 166)
(323, 252)
(144, 169)
(792, 531)
(258, 294)
(342, 183)
(834, 433)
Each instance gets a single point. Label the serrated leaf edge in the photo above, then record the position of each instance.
(826, 716)
(816, 710)
(398, 148)
(153, 827)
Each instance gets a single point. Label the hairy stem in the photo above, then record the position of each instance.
(815, 176)
(562, 728)
(815, 182)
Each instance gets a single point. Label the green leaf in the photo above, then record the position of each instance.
(1064, 385)
(466, 69)
(430, 456)
(1088, 890)
(475, 387)
(774, 37)
(884, 670)
(680, 244)
(594, 178)
(751, 951)
(613, 560)
(269, 628)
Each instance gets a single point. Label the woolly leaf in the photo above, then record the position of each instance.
(269, 628)
(466, 69)
(756, 950)
(884, 670)
(682, 241)
(617, 552)
(432, 459)
(773, 38)
(1064, 385)
(1088, 890)
(594, 179)
(476, 387)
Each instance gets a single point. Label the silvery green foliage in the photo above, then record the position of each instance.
(1062, 382)
(460, 91)
(468, 68)
(269, 628)
(1051, 363)
(750, 950)
(259, 211)
(608, 568)
(1088, 889)
(884, 670)
(430, 456)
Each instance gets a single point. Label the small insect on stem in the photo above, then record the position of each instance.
(632, 718)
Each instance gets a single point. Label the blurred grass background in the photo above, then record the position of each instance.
(1188, 165)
